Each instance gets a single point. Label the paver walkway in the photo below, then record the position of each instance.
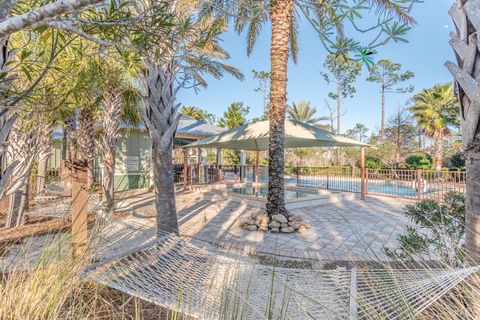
(343, 226)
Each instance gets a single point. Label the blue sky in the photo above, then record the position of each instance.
(425, 55)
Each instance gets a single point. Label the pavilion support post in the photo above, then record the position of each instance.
(243, 163)
(79, 169)
(185, 168)
(362, 174)
(219, 164)
(257, 157)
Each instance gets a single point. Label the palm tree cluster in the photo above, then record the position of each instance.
(436, 111)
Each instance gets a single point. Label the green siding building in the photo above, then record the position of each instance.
(134, 154)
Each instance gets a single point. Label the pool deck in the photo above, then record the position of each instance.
(344, 228)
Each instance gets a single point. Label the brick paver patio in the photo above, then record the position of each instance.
(343, 226)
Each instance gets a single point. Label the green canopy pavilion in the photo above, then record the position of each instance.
(254, 137)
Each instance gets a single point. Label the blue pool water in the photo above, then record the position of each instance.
(262, 191)
(385, 188)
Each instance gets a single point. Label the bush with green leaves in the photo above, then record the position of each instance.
(458, 160)
(438, 232)
(419, 161)
(372, 162)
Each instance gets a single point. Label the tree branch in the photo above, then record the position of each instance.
(42, 14)
(66, 27)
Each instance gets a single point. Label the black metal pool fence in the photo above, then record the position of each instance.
(402, 183)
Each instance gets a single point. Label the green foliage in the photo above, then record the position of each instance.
(359, 132)
(197, 114)
(458, 160)
(419, 161)
(263, 78)
(436, 109)
(384, 152)
(372, 162)
(304, 112)
(231, 156)
(388, 75)
(401, 131)
(343, 73)
(234, 116)
(439, 230)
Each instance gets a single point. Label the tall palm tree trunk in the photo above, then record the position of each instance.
(43, 156)
(161, 118)
(467, 76)
(438, 152)
(281, 17)
(86, 141)
(111, 123)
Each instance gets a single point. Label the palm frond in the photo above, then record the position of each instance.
(395, 9)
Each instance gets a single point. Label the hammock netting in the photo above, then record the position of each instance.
(206, 282)
(53, 203)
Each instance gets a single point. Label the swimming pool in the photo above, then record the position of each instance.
(262, 191)
(399, 188)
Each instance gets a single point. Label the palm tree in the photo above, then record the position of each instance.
(86, 140)
(326, 17)
(304, 112)
(464, 42)
(435, 110)
(197, 114)
(119, 101)
(193, 50)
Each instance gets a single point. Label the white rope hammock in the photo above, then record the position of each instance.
(52, 202)
(201, 281)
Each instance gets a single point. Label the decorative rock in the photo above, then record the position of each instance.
(263, 228)
(301, 229)
(295, 225)
(287, 230)
(290, 218)
(263, 219)
(243, 221)
(284, 225)
(260, 216)
(280, 218)
(274, 230)
(251, 227)
(274, 224)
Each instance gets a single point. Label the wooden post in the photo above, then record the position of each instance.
(362, 163)
(79, 169)
(257, 156)
(185, 168)
(419, 184)
(65, 178)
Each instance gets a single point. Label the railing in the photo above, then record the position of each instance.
(403, 183)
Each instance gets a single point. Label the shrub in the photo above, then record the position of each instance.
(442, 228)
(458, 160)
(372, 162)
(419, 161)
